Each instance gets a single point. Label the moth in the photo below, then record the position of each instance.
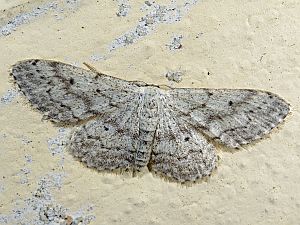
(131, 125)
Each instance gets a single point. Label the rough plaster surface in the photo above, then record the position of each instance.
(227, 44)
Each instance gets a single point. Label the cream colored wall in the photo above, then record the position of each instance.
(244, 44)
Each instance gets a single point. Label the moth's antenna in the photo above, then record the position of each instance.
(164, 87)
(91, 68)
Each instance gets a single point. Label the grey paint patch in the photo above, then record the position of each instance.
(124, 8)
(155, 14)
(26, 17)
(56, 145)
(8, 97)
(1, 188)
(25, 140)
(175, 76)
(41, 208)
(175, 43)
(3, 136)
(28, 158)
(23, 174)
(97, 57)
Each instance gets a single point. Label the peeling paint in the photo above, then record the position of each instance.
(97, 57)
(26, 17)
(8, 97)
(124, 8)
(155, 14)
(56, 145)
(175, 76)
(41, 208)
(175, 42)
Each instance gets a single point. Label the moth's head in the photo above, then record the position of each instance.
(143, 84)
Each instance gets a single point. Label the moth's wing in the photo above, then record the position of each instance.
(233, 117)
(112, 141)
(180, 152)
(67, 94)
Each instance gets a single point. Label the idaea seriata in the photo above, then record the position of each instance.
(133, 125)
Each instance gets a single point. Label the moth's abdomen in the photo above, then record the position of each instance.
(148, 120)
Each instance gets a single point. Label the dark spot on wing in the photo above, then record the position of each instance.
(71, 81)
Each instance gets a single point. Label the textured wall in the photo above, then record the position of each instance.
(211, 44)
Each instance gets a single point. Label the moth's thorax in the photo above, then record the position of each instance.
(149, 108)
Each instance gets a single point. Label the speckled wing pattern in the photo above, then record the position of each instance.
(133, 125)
